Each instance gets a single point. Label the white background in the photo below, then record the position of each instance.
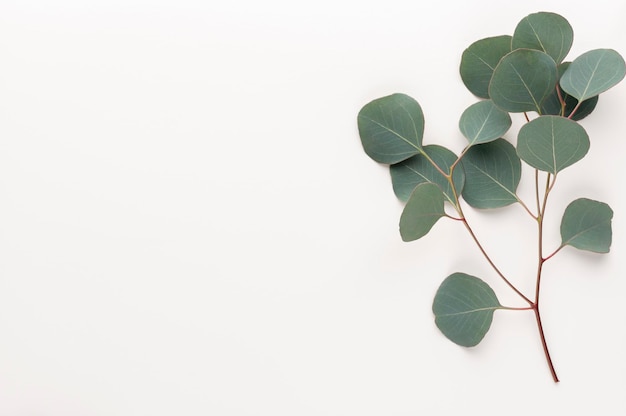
(189, 224)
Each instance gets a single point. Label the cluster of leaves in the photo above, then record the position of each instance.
(523, 73)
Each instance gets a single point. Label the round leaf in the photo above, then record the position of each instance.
(552, 143)
(421, 212)
(479, 60)
(406, 175)
(593, 73)
(552, 104)
(483, 122)
(547, 32)
(492, 174)
(586, 225)
(391, 128)
(522, 80)
(463, 308)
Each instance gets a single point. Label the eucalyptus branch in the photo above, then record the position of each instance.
(525, 72)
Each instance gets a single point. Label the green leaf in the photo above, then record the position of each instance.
(492, 174)
(421, 212)
(552, 143)
(586, 225)
(522, 80)
(391, 128)
(552, 104)
(463, 308)
(479, 60)
(593, 73)
(547, 32)
(406, 175)
(483, 122)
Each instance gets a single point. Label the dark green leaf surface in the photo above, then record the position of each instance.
(547, 32)
(593, 73)
(552, 143)
(479, 60)
(391, 128)
(492, 174)
(463, 308)
(421, 212)
(406, 175)
(586, 225)
(552, 104)
(522, 80)
(483, 122)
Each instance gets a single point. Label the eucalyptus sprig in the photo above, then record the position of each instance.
(522, 74)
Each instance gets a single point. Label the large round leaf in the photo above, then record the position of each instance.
(406, 175)
(552, 143)
(479, 60)
(483, 122)
(463, 308)
(552, 104)
(593, 73)
(391, 128)
(547, 32)
(492, 174)
(421, 212)
(522, 80)
(586, 225)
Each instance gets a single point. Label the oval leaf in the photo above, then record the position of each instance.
(552, 104)
(547, 32)
(586, 225)
(492, 174)
(463, 308)
(522, 80)
(421, 212)
(483, 122)
(552, 143)
(479, 60)
(593, 73)
(391, 128)
(406, 175)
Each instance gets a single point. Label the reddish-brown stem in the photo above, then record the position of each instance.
(544, 344)
(540, 262)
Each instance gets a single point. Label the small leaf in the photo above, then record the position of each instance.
(547, 32)
(552, 143)
(479, 60)
(552, 104)
(463, 308)
(406, 175)
(391, 128)
(593, 73)
(421, 212)
(492, 174)
(586, 225)
(483, 122)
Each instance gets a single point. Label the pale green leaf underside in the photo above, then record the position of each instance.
(406, 175)
(552, 104)
(552, 143)
(593, 73)
(421, 212)
(391, 128)
(547, 32)
(483, 122)
(479, 60)
(586, 225)
(492, 175)
(522, 80)
(463, 308)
